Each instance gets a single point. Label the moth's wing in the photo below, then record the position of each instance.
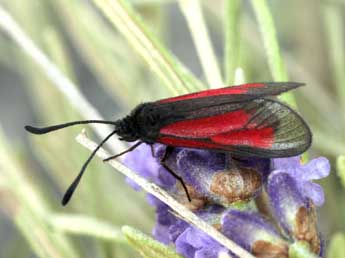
(240, 93)
(262, 128)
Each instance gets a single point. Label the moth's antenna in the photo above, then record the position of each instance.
(75, 183)
(43, 130)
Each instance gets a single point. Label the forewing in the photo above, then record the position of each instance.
(244, 92)
(263, 128)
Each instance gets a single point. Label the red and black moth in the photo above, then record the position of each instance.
(242, 120)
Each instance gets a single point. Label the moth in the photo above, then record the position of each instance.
(242, 120)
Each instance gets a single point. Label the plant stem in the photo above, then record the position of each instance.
(231, 30)
(333, 18)
(84, 225)
(192, 11)
(269, 36)
(163, 64)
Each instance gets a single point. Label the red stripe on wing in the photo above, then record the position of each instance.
(258, 138)
(188, 143)
(207, 126)
(215, 92)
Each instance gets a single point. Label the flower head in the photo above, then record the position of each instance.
(292, 197)
(215, 181)
(303, 174)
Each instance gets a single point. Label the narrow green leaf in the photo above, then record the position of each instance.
(85, 225)
(334, 19)
(341, 169)
(192, 11)
(58, 51)
(173, 74)
(240, 77)
(336, 247)
(269, 36)
(232, 38)
(147, 246)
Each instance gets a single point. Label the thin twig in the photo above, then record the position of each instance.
(58, 79)
(164, 196)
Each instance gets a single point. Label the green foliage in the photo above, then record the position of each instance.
(122, 45)
(336, 246)
(195, 19)
(172, 73)
(232, 12)
(146, 246)
(269, 36)
(84, 225)
(341, 169)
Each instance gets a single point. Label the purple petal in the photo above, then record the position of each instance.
(245, 228)
(183, 245)
(193, 243)
(314, 192)
(208, 252)
(164, 220)
(177, 229)
(141, 161)
(315, 169)
(285, 198)
(160, 233)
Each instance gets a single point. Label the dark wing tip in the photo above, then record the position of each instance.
(294, 85)
(285, 86)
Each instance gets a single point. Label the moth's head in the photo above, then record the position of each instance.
(126, 129)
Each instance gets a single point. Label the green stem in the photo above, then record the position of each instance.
(169, 70)
(231, 29)
(341, 169)
(333, 18)
(84, 225)
(269, 36)
(193, 14)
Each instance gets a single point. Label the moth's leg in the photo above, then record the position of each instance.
(167, 153)
(128, 150)
(152, 150)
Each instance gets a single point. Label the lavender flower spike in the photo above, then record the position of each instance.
(292, 197)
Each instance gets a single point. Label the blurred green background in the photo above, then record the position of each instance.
(99, 46)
